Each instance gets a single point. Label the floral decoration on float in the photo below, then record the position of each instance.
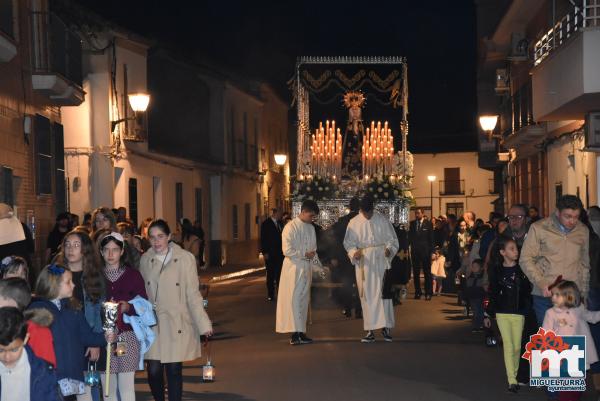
(315, 188)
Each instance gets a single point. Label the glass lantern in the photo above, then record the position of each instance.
(208, 372)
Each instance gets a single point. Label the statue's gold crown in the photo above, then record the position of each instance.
(354, 98)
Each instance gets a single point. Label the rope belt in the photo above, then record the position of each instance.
(361, 266)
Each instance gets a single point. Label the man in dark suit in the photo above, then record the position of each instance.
(343, 270)
(420, 236)
(270, 246)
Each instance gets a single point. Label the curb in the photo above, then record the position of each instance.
(241, 273)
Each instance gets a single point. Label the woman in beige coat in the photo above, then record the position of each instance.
(172, 286)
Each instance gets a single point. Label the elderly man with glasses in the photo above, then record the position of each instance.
(518, 224)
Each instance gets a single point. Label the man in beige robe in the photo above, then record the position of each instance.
(299, 245)
(371, 243)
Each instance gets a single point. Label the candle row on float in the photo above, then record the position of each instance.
(377, 150)
(326, 151)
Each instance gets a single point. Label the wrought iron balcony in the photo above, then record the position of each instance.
(56, 60)
(585, 17)
(452, 187)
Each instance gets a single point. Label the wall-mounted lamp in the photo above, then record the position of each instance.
(280, 159)
(488, 124)
(139, 103)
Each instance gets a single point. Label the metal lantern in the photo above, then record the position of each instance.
(91, 377)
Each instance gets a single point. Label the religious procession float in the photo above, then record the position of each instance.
(336, 162)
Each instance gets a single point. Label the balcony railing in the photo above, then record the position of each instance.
(517, 110)
(578, 18)
(6, 18)
(452, 187)
(55, 49)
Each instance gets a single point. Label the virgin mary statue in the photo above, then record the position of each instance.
(352, 146)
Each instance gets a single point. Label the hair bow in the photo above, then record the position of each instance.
(116, 236)
(56, 270)
(556, 282)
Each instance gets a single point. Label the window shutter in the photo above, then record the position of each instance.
(43, 151)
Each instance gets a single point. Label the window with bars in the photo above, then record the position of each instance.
(247, 221)
(233, 142)
(43, 156)
(234, 222)
(7, 18)
(60, 183)
(6, 186)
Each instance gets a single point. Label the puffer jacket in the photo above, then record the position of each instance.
(548, 253)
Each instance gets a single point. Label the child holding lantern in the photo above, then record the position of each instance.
(123, 284)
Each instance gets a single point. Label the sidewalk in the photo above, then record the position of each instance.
(213, 273)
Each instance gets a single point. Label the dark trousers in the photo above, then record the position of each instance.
(348, 293)
(476, 305)
(273, 265)
(529, 328)
(422, 261)
(156, 371)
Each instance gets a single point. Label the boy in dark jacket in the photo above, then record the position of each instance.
(475, 282)
(23, 375)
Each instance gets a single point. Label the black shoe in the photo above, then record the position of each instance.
(369, 338)
(270, 299)
(347, 312)
(427, 297)
(304, 339)
(513, 388)
(417, 296)
(295, 340)
(386, 335)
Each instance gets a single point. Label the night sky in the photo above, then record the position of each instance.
(263, 40)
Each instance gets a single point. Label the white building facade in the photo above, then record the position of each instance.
(459, 185)
(540, 72)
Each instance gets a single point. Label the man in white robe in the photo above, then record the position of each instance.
(371, 243)
(299, 245)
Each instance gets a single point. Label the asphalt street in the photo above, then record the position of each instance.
(434, 355)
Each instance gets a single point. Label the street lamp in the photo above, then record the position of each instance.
(280, 159)
(488, 124)
(431, 179)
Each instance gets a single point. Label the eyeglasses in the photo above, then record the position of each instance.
(516, 217)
